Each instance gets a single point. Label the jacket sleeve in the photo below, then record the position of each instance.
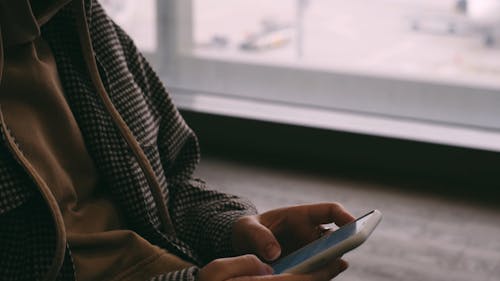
(202, 217)
(187, 274)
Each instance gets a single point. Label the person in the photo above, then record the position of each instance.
(96, 166)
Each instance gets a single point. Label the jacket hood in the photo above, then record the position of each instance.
(20, 21)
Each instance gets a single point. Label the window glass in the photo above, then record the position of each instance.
(448, 40)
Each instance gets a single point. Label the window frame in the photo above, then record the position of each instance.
(466, 112)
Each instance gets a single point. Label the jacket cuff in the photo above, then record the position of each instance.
(186, 274)
(223, 244)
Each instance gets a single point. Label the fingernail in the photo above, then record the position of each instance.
(272, 251)
(343, 266)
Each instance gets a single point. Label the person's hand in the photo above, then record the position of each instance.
(282, 231)
(250, 268)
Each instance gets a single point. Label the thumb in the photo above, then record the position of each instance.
(253, 237)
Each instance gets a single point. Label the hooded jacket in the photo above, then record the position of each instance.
(141, 145)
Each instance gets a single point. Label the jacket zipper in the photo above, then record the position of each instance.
(60, 230)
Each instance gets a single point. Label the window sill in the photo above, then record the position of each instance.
(353, 122)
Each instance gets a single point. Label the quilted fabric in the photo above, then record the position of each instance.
(201, 217)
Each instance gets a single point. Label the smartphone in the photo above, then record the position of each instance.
(330, 246)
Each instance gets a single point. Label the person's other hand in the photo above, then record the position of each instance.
(282, 231)
(250, 268)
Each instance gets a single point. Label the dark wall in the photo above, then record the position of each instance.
(454, 171)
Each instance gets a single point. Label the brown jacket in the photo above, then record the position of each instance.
(139, 142)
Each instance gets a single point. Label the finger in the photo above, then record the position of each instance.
(329, 212)
(324, 274)
(330, 270)
(262, 240)
(227, 268)
(281, 277)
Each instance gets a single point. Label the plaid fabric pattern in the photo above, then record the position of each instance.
(15, 188)
(188, 274)
(201, 217)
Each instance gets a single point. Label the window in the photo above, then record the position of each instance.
(418, 69)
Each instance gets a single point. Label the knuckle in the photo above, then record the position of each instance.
(337, 205)
(252, 260)
(217, 265)
(336, 208)
(211, 271)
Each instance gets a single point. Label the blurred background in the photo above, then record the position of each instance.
(387, 104)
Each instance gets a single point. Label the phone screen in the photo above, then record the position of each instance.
(328, 240)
